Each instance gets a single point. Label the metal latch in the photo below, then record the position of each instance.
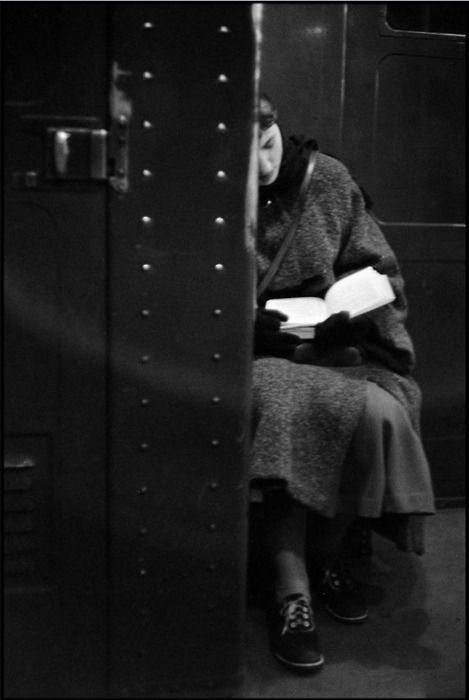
(82, 154)
(76, 153)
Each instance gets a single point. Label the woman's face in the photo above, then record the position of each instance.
(270, 154)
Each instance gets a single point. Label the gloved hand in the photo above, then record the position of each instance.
(268, 338)
(341, 330)
(338, 356)
(336, 341)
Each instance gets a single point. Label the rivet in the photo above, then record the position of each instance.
(143, 572)
(220, 221)
(144, 359)
(146, 267)
(216, 356)
(122, 119)
(217, 312)
(221, 175)
(219, 267)
(215, 443)
(213, 485)
(145, 312)
(146, 220)
(221, 126)
(141, 490)
(215, 399)
(224, 29)
(148, 75)
(144, 446)
(147, 173)
(212, 527)
(144, 402)
(143, 531)
(148, 25)
(147, 124)
(222, 78)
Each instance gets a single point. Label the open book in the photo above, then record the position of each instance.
(356, 293)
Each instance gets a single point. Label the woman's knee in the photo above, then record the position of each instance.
(381, 408)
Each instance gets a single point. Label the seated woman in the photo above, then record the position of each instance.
(336, 420)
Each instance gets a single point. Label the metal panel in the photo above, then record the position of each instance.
(404, 124)
(419, 111)
(181, 309)
(166, 608)
(302, 67)
(55, 382)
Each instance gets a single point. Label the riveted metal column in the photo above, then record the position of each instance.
(181, 322)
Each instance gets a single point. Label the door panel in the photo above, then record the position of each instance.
(128, 307)
(55, 381)
(403, 99)
(181, 304)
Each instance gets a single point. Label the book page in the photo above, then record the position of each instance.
(359, 292)
(301, 311)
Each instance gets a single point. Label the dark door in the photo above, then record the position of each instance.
(403, 136)
(55, 353)
(128, 298)
(181, 307)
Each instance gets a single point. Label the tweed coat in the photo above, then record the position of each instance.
(305, 415)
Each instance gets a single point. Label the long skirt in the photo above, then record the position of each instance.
(338, 443)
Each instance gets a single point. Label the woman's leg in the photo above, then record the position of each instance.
(285, 531)
(330, 575)
(292, 629)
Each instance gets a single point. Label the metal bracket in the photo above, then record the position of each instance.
(119, 146)
(76, 153)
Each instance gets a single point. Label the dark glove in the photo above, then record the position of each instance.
(338, 356)
(268, 338)
(337, 341)
(340, 330)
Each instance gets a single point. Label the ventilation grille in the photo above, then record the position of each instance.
(27, 511)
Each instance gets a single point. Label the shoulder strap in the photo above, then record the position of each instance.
(276, 262)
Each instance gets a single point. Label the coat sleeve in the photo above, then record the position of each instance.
(363, 243)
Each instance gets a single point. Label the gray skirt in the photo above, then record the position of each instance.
(385, 469)
(338, 443)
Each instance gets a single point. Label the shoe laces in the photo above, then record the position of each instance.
(298, 615)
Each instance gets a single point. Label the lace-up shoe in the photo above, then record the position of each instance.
(341, 595)
(293, 635)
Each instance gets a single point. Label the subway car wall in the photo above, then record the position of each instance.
(128, 305)
(129, 167)
(381, 86)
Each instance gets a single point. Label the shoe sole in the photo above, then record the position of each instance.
(350, 620)
(303, 668)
